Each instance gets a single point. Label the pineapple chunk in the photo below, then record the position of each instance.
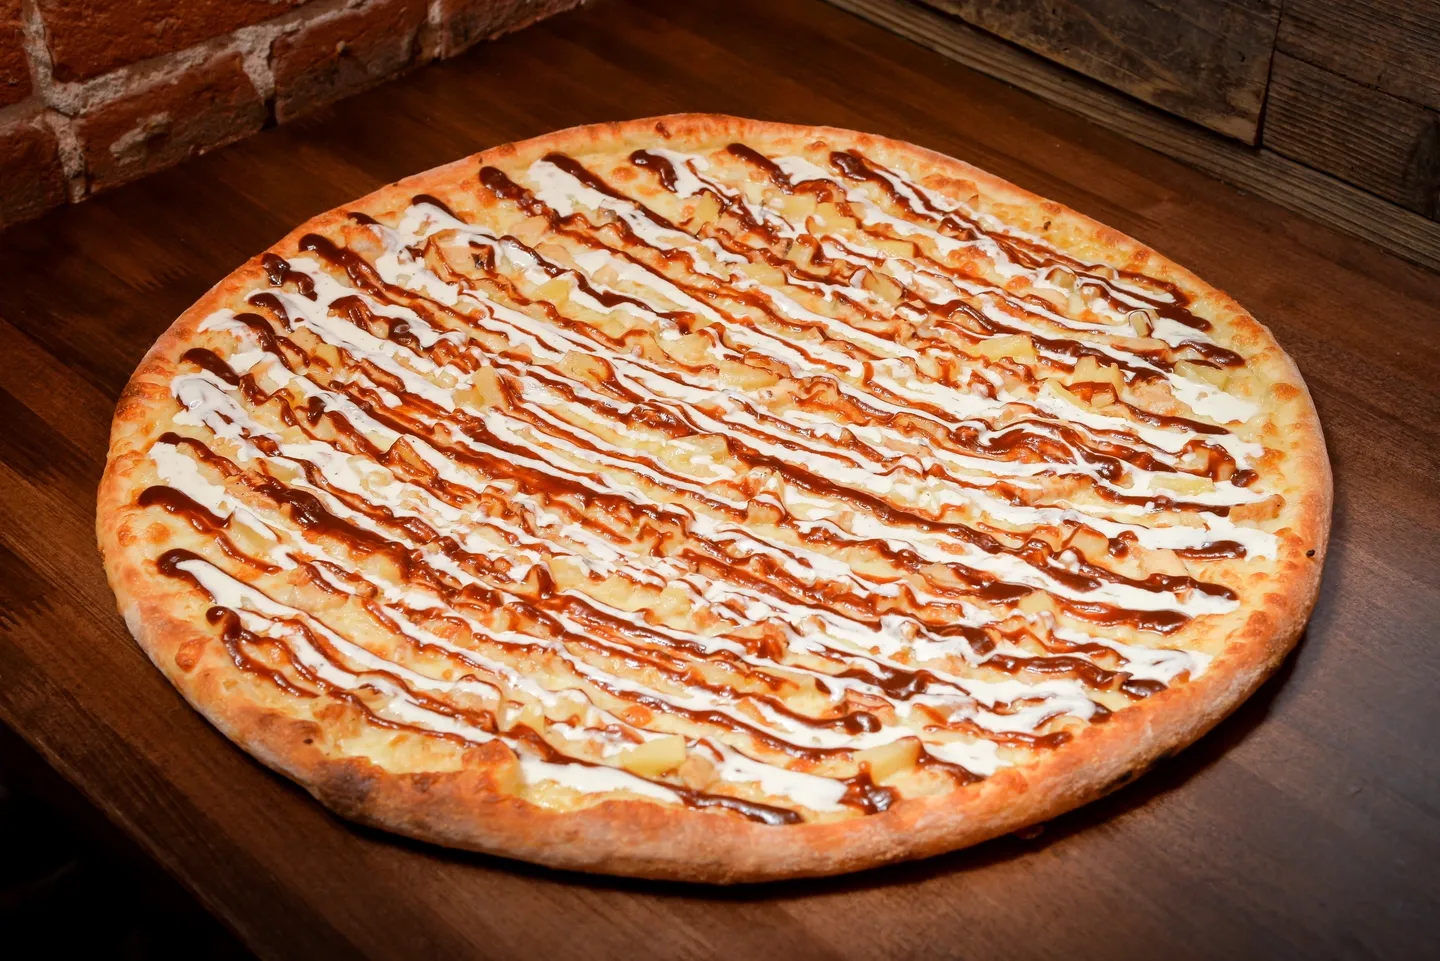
(507, 775)
(1163, 562)
(751, 378)
(829, 215)
(284, 471)
(1049, 535)
(553, 252)
(1088, 369)
(305, 339)
(707, 210)
(1211, 375)
(1018, 346)
(714, 446)
(567, 572)
(655, 757)
(251, 540)
(530, 230)
(1143, 322)
(1054, 390)
(328, 353)
(1091, 544)
(1061, 276)
(1184, 483)
(673, 602)
(403, 452)
(584, 367)
(556, 290)
(689, 348)
(484, 390)
(1037, 602)
(383, 568)
(797, 207)
(376, 437)
(802, 251)
(887, 759)
(765, 274)
(528, 715)
(697, 772)
(1058, 299)
(1103, 397)
(881, 285)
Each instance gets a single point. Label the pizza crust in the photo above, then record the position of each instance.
(467, 809)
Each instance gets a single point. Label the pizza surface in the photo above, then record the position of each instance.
(711, 499)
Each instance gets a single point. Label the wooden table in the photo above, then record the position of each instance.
(1306, 826)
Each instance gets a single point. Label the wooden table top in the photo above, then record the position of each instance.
(1307, 825)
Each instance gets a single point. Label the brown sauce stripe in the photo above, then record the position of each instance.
(617, 638)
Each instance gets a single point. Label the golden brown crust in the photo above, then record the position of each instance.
(465, 808)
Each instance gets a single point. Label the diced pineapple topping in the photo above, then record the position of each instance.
(887, 759)
(1037, 602)
(1089, 370)
(1054, 390)
(329, 353)
(1184, 483)
(1211, 375)
(484, 390)
(654, 756)
(1017, 346)
(883, 286)
(707, 210)
(796, 207)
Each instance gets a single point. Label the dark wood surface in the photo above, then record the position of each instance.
(1205, 60)
(1306, 826)
(1375, 140)
(1392, 45)
(1355, 92)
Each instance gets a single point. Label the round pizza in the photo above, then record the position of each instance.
(710, 499)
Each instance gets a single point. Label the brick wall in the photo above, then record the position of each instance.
(97, 92)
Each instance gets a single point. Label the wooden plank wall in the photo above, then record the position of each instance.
(1355, 92)
(1330, 107)
(1205, 60)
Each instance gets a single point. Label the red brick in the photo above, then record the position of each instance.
(325, 61)
(14, 66)
(90, 37)
(464, 22)
(31, 178)
(210, 104)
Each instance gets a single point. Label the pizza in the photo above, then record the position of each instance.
(710, 499)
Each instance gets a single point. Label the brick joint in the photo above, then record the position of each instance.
(86, 105)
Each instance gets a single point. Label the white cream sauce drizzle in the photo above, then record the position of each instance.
(566, 442)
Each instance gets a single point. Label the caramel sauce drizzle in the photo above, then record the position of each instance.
(344, 439)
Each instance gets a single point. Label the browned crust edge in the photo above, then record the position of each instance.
(465, 809)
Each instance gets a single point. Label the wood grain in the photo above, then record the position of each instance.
(1388, 146)
(1306, 826)
(1262, 172)
(1205, 60)
(1392, 45)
